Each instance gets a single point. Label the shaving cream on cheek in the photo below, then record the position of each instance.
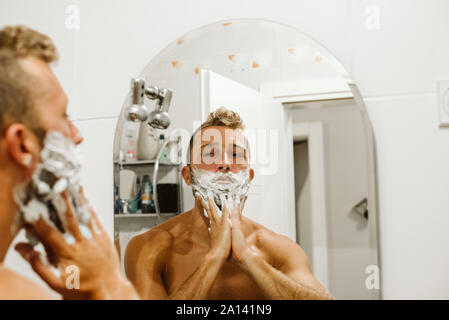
(223, 187)
(58, 171)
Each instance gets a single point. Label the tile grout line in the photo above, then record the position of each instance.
(95, 118)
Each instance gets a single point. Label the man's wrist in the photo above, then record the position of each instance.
(116, 288)
(249, 261)
(214, 258)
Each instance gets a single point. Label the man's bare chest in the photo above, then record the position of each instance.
(231, 281)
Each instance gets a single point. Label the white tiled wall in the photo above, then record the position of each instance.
(412, 158)
(395, 68)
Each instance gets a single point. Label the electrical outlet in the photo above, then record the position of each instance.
(443, 102)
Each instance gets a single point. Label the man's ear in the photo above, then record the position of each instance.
(185, 172)
(22, 144)
(251, 174)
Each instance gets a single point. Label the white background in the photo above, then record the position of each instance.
(395, 67)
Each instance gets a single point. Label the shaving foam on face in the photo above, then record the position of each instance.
(223, 187)
(58, 171)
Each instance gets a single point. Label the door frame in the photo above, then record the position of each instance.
(313, 133)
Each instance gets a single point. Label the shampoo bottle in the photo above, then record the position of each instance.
(147, 195)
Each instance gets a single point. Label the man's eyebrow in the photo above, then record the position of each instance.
(239, 146)
(208, 143)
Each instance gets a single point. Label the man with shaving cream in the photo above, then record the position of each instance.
(40, 188)
(213, 251)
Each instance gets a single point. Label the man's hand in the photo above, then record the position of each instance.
(240, 251)
(199, 283)
(219, 229)
(95, 259)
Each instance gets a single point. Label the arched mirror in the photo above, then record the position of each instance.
(312, 147)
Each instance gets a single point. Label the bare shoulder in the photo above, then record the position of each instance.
(153, 247)
(279, 248)
(149, 242)
(16, 287)
(281, 242)
(263, 234)
(161, 236)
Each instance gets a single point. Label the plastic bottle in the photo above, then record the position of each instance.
(163, 157)
(148, 144)
(130, 141)
(116, 200)
(139, 198)
(147, 195)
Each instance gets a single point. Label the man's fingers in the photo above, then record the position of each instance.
(71, 219)
(242, 204)
(50, 236)
(52, 258)
(225, 212)
(235, 218)
(202, 206)
(43, 270)
(213, 209)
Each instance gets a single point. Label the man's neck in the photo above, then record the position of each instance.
(8, 210)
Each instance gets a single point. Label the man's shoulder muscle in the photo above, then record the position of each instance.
(151, 242)
(153, 246)
(14, 286)
(281, 248)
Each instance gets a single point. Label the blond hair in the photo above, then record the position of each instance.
(16, 101)
(24, 42)
(221, 117)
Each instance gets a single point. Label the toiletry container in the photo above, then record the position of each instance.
(163, 158)
(129, 141)
(116, 200)
(148, 142)
(128, 193)
(147, 195)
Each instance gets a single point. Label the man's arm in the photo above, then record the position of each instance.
(197, 286)
(145, 261)
(290, 278)
(293, 280)
(15, 287)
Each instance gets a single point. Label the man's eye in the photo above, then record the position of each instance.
(238, 154)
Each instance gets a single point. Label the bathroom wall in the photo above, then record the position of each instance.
(394, 50)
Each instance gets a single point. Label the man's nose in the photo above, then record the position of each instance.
(224, 167)
(226, 163)
(75, 134)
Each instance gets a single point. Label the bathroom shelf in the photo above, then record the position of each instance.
(144, 162)
(142, 215)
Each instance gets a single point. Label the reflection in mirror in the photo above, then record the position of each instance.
(307, 228)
